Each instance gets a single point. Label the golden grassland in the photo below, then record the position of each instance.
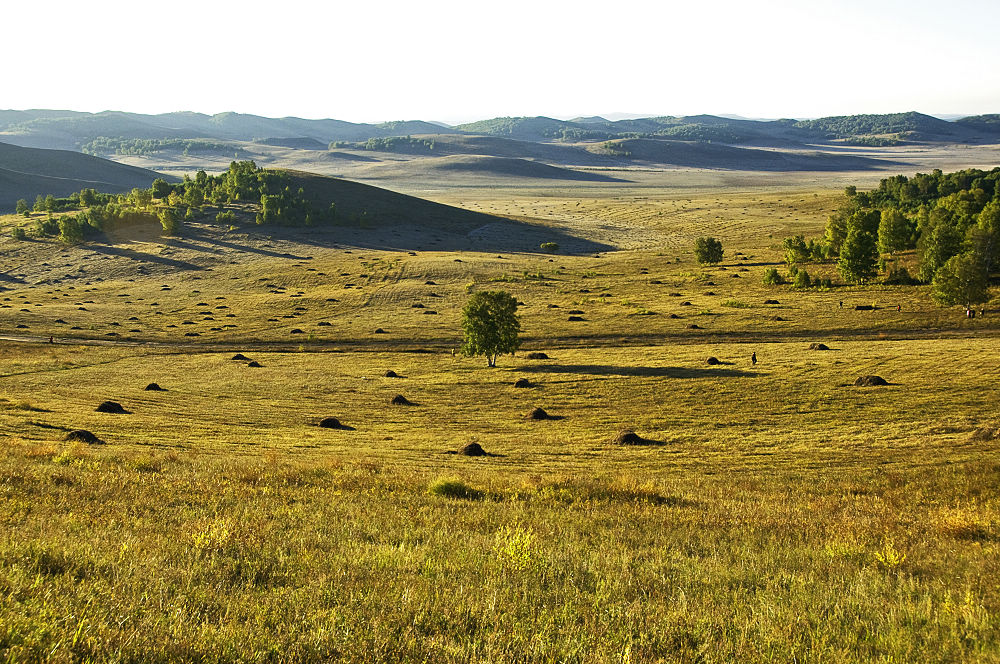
(779, 513)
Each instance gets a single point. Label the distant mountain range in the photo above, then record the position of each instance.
(71, 130)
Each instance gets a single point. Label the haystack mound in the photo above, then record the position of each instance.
(985, 434)
(870, 381)
(380, 331)
(694, 326)
(538, 414)
(629, 437)
(522, 382)
(255, 364)
(84, 436)
(390, 374)
(111, 407)
(771, 302)
(575, 318)
(713, 360)
(240, 356)
(537, 356)
(575, 311)
(154, 387)
(330, 423)
(818, 346)
(400, 400)
(472, 449)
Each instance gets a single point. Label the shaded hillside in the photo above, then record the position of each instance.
(28, 172)
(484, 166)
(711, 155)
(296, 143)
(374, 212)
(493, 146)
(920, 126)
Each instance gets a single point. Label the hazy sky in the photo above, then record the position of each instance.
(458, 61)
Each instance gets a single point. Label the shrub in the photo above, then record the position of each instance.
(549, 247)
(772, 277)
(802, 280)
(18, 233)
(452, 488)
(708, 250)
(226, 217)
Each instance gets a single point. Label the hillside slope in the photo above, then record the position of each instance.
(28, 172)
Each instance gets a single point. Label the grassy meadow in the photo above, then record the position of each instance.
(777, 513)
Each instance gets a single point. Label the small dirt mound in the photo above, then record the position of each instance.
(818, 346)
(400, 400)
(779, 319)
(538, 414)
(430, 283)
(575, 311)
(416, 305)
(255, 364)
(296, 331)
(694, 326)
(84, 436)
(771, 302)
(154, 387)
(713, 360)
(629, 437)
(330, 423)
(685, 303)
(711, 292)
(673, 316)
(522, 382)
(537, 356)
(111, 407)
(380, 331)
(390, 374)
(870, 381)
(472, 449)
(575, 318)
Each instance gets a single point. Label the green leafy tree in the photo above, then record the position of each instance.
(802, 280)
(796, 249)
(161, 188)
(70, 230)
(169, 221)
(23, 207)
(937, 244)
(39, 203)
(858, 256)
(893, 232)
(708, 250)
(50, 203)
(961, 280)
(490, 325)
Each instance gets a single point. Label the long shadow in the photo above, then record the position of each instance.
(10, 279)
(612, 370)
(145, 258)
(246, 248)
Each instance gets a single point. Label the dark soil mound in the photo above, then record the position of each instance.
(522, 382)
(400, 400)
(779, 319)
(416, 305)
(575, 318)
(296, 331)
(380, 331)
(537, 356)
(818, 346)
(538, 414)
(84, 436)
(430, 283)
(472, 449)
(711, 292)
(673, 316)
(254, 364)
(111, 407)
(629, 437)
(390, 374)
(870, 381)
(330, 423)
(713, 360)
(575, 311)
(694, 326)
(685, 303)
(154, 387)
(771, 302)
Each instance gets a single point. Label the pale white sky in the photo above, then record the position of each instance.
(455, 61)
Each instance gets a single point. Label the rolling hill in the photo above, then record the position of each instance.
(28, 172)
(464, 166)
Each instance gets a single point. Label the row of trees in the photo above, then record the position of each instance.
(244, 188)
(951, 220)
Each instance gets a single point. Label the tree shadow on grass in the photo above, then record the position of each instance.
(664, 372)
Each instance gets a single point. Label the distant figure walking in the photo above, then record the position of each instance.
(899, 307)
(753, 358)
(51, 341)
(841, 304)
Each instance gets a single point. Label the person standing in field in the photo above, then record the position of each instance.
(753, 357)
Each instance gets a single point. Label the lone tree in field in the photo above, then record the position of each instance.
(708, 250)
(491, 325)
(962, 280)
